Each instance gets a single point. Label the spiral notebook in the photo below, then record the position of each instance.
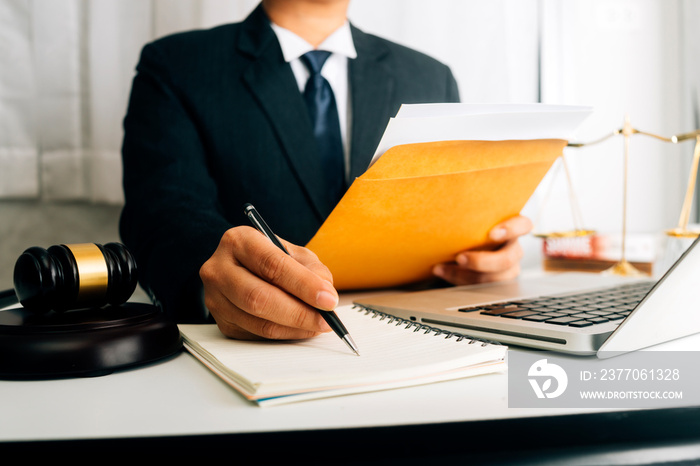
(394, 353)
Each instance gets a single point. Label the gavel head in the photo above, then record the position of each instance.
(74, 276)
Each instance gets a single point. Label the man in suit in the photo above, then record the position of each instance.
(217, 119)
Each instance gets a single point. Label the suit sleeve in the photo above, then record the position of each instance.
(171, 221)
(452, 88)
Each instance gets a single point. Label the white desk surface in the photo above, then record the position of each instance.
(180, 396)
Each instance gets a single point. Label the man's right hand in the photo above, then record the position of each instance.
(256, 291)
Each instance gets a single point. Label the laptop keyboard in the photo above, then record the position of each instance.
(576, 310)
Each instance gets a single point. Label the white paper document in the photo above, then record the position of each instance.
(418, 123)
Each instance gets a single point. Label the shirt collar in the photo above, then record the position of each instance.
(293, 46)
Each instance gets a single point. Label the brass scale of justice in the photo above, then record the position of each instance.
(623, 267)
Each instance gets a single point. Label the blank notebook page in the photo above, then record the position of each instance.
(388, 351)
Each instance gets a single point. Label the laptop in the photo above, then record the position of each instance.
(566, 312)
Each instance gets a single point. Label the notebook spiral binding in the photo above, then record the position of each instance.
(425, 328)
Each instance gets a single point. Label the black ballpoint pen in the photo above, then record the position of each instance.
(329, 316)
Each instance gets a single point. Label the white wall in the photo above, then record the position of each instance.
(491, 46)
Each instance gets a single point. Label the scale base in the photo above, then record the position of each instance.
(624, 269)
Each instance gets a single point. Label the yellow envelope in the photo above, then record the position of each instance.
(421, 204)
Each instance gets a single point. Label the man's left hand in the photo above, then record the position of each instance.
(481, 266)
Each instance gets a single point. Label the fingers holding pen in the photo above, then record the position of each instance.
(309, 280)
(254, 290)
(235, 322)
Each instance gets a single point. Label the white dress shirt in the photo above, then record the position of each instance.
(335, 70)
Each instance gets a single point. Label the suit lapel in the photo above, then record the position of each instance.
(272, 82)
(371, 87)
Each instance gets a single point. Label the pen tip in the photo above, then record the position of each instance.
(351, 344)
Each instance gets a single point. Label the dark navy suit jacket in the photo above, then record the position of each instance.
(216, 120)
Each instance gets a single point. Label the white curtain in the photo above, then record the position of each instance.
(66, 68)
(65, 75)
